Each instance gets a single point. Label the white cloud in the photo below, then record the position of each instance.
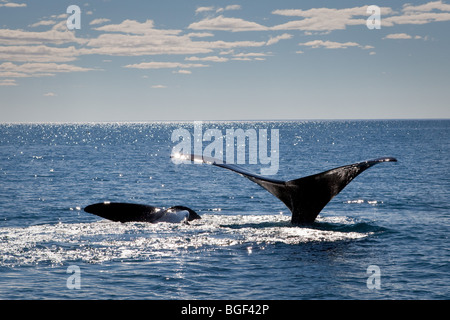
(276, 39)
(200, 34)
(134, 27)
(98, 21)
(217, 10)
(251, 54)
(430, 6)
(233, 44)
(163, 65)
(159, 86)
(329, 44)
(59, 16)
(50, 94)
(420, 14)
(324, 19)
(416, 18)
(132, 38)
(8, 82)
(242, 59)
(398, 36)
(329, 19)
(228, 8)
(37, 53)
(204, 9)
(12, 74)
(53, 36)
(13, 5)
(210, 58)
(43, 52)
(138, 45)
(9, 69)
(240, 56)
(227, 24)
(182, 71)
(222, 53)
(43, 23)
(233, 7)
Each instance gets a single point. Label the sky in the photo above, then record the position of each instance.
(223, 60)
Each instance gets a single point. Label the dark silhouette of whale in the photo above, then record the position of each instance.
(305, 197)
(126, 212)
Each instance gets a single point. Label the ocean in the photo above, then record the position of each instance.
(385, 236)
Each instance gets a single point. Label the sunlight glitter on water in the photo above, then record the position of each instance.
(103, 241)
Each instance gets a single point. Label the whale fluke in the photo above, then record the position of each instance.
(127, 212)
(305, 197)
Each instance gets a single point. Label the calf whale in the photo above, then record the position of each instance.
(305, 197)
(127, 212)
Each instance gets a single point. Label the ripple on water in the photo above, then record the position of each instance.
(103, 241)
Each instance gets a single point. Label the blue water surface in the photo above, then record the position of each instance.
(394, 216)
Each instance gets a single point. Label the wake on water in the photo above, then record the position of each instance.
(104, 241)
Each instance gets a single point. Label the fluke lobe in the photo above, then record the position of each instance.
(305, 197)
(126, 212)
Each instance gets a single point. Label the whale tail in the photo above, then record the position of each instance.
(305, 197)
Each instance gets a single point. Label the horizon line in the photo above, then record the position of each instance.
(217, 120)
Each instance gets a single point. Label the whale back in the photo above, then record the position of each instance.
(125, 212)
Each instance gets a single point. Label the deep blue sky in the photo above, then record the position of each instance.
(222, 60)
